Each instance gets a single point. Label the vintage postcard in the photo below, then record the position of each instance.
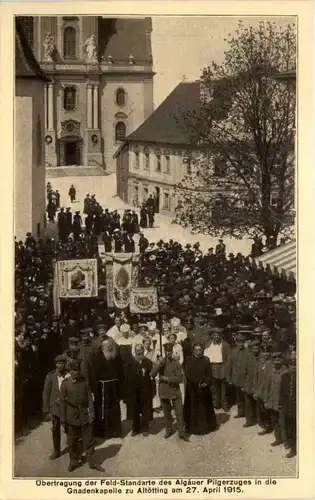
(157, 258)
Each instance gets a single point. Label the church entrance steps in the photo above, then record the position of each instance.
(74, 171)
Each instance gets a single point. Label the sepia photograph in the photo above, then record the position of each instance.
(155, 222)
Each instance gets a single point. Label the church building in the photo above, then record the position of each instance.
(101, 84)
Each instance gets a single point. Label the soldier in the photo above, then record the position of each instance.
(51, 401)
(250, 383)
(260, 395)
(236, 370)
(287, 405)
(273, 395)
(77, 414)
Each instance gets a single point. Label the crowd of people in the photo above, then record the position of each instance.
(225, 336)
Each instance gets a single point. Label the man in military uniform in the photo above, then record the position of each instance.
(77, 415)
(287, 405)
(51, 400)
(236, 370)
(170, 376)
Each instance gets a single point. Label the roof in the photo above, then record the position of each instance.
(26, 65)
(282, 258)
(129, 37)
(164, 125)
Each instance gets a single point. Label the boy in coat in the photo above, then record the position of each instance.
(77, 414)
(51, 401)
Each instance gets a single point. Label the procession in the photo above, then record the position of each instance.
(155, 270)
(222, 334)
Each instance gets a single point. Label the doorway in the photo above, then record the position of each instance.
(72, 153)
(157, 199)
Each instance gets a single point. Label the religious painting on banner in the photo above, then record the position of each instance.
(144, 301)
(77, 278)
(122, 271)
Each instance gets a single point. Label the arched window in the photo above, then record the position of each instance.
(69, 43)
(120, 132)
(120, 97)
(39, 145)
(69, 98)
(27, 26)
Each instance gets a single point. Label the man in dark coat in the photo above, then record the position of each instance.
(77, 414)
(57, 199)
(143, 217)
(89, 223)
(72, 193)
(129, 244)
(252, 367)
(170, 376)
(107, 239)
(198, 409)
(287, 405)
(106, 379)
(139, 391)
(77, 226)
(69, 220)
(51, 211)
(143, 243)
(62, 225)
(51, 401)
(235, 373)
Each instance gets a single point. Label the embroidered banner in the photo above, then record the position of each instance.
(77, 278)
(144, 301)
(122, 271)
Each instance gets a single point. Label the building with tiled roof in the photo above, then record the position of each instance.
(29, 166)
(155, 157)
(101, 86)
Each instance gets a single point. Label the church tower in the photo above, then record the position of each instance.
(101, 84)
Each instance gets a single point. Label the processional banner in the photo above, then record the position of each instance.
(144, 301)
(122, 270)
(77, 278)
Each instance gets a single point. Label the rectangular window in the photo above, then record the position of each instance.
(166, 205)
(137, 154)
(147, 161)
(158, 163)
(167, 165)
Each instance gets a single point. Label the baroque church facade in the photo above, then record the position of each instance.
(100, 85)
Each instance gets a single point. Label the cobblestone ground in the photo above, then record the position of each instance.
(229, 452)
(104, 189)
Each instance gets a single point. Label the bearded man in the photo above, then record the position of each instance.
(106, 380)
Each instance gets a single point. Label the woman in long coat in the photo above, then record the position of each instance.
(199, 413)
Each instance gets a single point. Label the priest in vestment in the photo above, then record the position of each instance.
(106, 380)
(139, 392)
(199, 413)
